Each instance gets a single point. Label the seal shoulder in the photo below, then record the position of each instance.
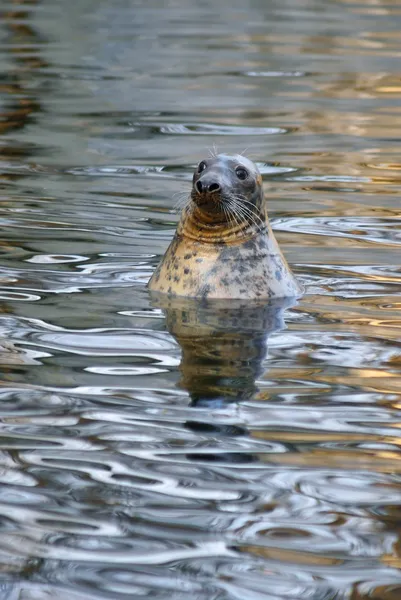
(183, 268)
(253, 269)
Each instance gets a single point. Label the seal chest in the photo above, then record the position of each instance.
(224, 246)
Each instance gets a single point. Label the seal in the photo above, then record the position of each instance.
(224, 246)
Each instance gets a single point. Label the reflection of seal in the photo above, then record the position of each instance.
(224, 246)
(223, 344)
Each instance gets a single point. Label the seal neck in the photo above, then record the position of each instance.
(200, 227)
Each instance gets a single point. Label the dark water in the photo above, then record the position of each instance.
(183, 452)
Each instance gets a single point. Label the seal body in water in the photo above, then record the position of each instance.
(224, 246)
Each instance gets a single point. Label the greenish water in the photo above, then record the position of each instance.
(183, 452)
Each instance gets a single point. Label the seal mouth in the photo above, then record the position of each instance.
(206, 192)
(230, 210)
(209, 201)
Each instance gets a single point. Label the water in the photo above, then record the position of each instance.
(168, 450)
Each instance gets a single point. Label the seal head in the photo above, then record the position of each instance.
(227, 202)
(224, 246)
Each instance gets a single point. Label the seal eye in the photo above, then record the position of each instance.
(202, 166)
(241, 173)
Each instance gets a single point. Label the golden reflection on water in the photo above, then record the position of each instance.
(370, 461)
(291, 556)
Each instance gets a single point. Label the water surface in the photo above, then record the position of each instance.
(179, 451)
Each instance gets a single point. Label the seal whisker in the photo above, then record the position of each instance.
(257, 219)
(254, 214)
(213, 151)
(180, 193)
(235, 217)
(247, 215)
(243, 200)
(227, 212)
(248, 210)
(234, 202)
(182, 198)
(236, 213)
(232, 217)
(250, 205)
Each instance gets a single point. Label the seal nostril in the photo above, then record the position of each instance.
(199, 186)
(214, 187)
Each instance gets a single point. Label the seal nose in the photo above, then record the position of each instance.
(207, 186)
